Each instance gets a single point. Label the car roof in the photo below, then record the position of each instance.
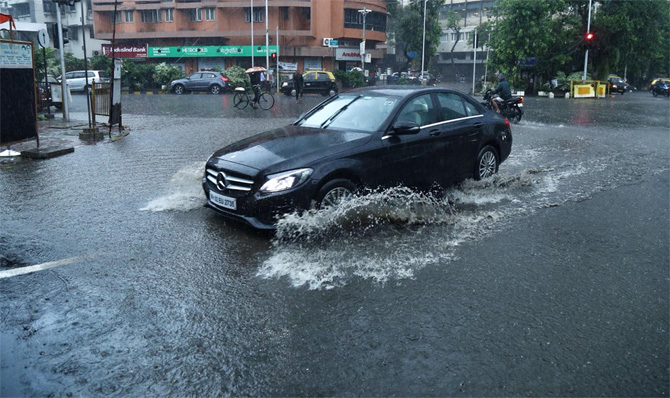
(401, 91)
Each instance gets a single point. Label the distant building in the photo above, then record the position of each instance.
(44, 12)
(199, 34)
(472, 13)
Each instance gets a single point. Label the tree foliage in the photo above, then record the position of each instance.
(408, 28)
(630, 36)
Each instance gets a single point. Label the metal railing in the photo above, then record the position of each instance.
(100, 99)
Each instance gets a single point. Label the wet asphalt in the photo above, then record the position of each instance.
(551, 279)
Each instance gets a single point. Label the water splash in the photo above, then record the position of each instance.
(185, 191)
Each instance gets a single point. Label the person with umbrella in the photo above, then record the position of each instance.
(255, 78)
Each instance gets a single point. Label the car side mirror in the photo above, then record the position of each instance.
(405, 128)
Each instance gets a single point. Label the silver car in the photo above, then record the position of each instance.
(77, 80)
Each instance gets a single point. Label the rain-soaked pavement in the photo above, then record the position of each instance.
(551, 279)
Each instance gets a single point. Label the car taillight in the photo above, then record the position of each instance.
(224, 79)
(509, 126)
(520, 100)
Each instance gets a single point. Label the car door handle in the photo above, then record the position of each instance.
(477, 125)
(435, 133)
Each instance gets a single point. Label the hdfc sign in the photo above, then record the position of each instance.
(347, 54)
(125, 51)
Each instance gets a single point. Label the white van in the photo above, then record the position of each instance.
(77, 81)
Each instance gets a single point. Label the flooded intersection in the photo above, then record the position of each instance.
(549, 279)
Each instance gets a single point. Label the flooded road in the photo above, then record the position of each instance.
(549, 279)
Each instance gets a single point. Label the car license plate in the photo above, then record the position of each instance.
(223, 201)
(520, 105)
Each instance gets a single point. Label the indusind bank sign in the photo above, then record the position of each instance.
(125, 51)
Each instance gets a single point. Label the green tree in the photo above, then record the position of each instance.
(454, 24)
(166, 73)
(410, 38)
(527, 30)
(237, 77)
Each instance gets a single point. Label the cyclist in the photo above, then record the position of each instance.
(255, 78)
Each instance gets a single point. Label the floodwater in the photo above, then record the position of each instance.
(549, 279)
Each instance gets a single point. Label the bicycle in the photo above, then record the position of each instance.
(242, 99)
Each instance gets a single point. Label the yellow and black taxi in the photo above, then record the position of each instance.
(315, 81)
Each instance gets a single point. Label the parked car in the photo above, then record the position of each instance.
(214, 82)
(316, 81)
(77, 80)
(381, 137)
(617, 84)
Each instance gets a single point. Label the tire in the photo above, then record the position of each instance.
(240, 100)
(332, 92)
(487, 163)
(215, 89)
(266, 101)
(293, 93)
(179, 89)
(654, 93)
(333, 192)
(518, 113)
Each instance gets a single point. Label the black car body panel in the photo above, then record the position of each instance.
(441, 149)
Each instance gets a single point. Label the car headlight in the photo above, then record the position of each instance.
(286, 180)
(285, 84)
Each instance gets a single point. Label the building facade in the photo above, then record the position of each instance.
(43, 13)
(199, 34)
(459, 62)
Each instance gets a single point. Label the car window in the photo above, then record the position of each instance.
(355, 112)
(91, 74)
(451, 106)
(69, 75)
(470, 108)
(79, 75)
(208, 75)
(195, 76)
(310, 77)
(419, 110)
(103, 74)
(323, 77)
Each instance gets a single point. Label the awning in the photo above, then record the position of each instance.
(25, 26)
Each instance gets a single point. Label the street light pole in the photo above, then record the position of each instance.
(423, 47)
(252, 32)
(365, 12)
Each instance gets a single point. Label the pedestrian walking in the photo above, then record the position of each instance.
(298, 83)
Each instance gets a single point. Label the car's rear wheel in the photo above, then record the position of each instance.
(332, 92)
(293, 93)
(487, 163)
(215, 89)
(334, 192)
(179, 89)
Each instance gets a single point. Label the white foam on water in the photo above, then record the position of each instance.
(185, 188)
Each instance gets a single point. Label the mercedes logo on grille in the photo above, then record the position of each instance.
(221, 181)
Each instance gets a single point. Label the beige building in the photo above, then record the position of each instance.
(197, 34)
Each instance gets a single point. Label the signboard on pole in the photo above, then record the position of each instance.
(347, 54)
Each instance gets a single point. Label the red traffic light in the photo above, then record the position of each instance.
(589, 36)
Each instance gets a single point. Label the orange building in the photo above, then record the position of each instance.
(197, 34)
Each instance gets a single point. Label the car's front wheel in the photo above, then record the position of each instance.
(334, 192)
(487, 163)
(179, 89)
(215, 89)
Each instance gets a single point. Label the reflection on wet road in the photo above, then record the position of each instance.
(549, 279)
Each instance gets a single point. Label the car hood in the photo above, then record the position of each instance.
(289, 147)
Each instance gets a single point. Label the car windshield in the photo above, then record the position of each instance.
(617, 80)
(352, 111)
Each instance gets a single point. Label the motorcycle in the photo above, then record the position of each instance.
(660, 90)
(512, 108)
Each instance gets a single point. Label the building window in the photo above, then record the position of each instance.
(259, 13)
(151, 16)
(116, 18)
(374, 21)
(169, 14)
(128, 15)
(444, 37)
(195, 14)
(209, 13)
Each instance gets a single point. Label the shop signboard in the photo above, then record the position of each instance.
(124, 51)
(347, 54)
(208, 51)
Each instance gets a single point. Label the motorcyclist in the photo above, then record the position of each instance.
(501, 93)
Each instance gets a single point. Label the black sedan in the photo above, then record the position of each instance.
(363, 138)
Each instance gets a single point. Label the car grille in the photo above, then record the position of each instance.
(231, 182)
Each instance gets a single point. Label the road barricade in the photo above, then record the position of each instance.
(588, 89)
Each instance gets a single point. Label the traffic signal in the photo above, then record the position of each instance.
(66, 35)
(589, 39)
(54, 35)
(273, 58)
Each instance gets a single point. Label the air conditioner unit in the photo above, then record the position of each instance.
(326, 41)
(96, 52)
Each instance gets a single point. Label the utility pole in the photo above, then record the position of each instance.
(423, 47)
(63, 82)
(267, 40)
(588, 32)
(252, 32)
